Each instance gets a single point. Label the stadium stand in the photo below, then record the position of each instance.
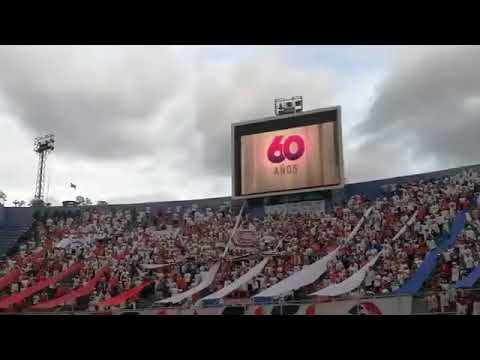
(9, 236)
(389, 237)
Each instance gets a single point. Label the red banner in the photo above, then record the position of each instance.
(34, 257)
(26, 293)
(75, 294)
(9, 278)
(116, 300)
(244, 238)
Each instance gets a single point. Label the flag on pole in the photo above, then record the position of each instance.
(244, 238)
(73, 186)
(237, 223)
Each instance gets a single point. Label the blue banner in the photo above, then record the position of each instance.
(469, 280)
(415, 283)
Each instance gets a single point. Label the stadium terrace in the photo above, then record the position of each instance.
(407, 245)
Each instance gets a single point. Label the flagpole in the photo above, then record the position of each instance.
(237, 223)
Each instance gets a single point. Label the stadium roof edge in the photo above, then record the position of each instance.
(400, 178)
(406, 177)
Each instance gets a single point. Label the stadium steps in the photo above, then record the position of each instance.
(415, 283)
(9, 237)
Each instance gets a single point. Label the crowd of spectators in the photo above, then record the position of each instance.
(171, 250)
(437, 202)
(126, 242)
(455, 264)
(292, 241)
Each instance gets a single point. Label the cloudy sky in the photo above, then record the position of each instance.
(152, 123)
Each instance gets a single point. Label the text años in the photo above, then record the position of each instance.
(285, 170)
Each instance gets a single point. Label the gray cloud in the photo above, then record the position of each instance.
(99, 101)
(431, 107)
(121, 102)
(136, 121)
(246, 91)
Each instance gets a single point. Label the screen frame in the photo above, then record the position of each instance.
(273, 123)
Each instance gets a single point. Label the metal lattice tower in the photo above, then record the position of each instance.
(43, 146)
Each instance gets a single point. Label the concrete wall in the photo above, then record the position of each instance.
(3, 213)
(372, 189)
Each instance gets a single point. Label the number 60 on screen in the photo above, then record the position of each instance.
(278, 151)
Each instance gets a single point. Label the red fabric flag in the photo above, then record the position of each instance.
(116, 300)
(9, 278)
(244, 238)
(75, 294)
(26, 293)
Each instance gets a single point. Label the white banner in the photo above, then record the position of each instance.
(206, 281)
(301, 278)
(412, 219)
(349, 284)
(404, 227)
(245, 239)
(64, 243)
(253, 272)
(356, 279)
(156, 266)
(359, 224)
(310, 273)
(232, 234)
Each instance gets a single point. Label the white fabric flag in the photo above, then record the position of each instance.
(404, 227)
(412, 219)
(237, 223)
(349, 284)
(206, 281)
(356, 279)
(253, 272)
(359, 224)
(156, 266)
(309, 273)
(301, 278)
(64, 243)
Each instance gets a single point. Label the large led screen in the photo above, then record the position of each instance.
(289, 159)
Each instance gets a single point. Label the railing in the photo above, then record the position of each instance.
(418, 305)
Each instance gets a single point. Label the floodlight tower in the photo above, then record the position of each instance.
(43, 145)
(288, 106)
